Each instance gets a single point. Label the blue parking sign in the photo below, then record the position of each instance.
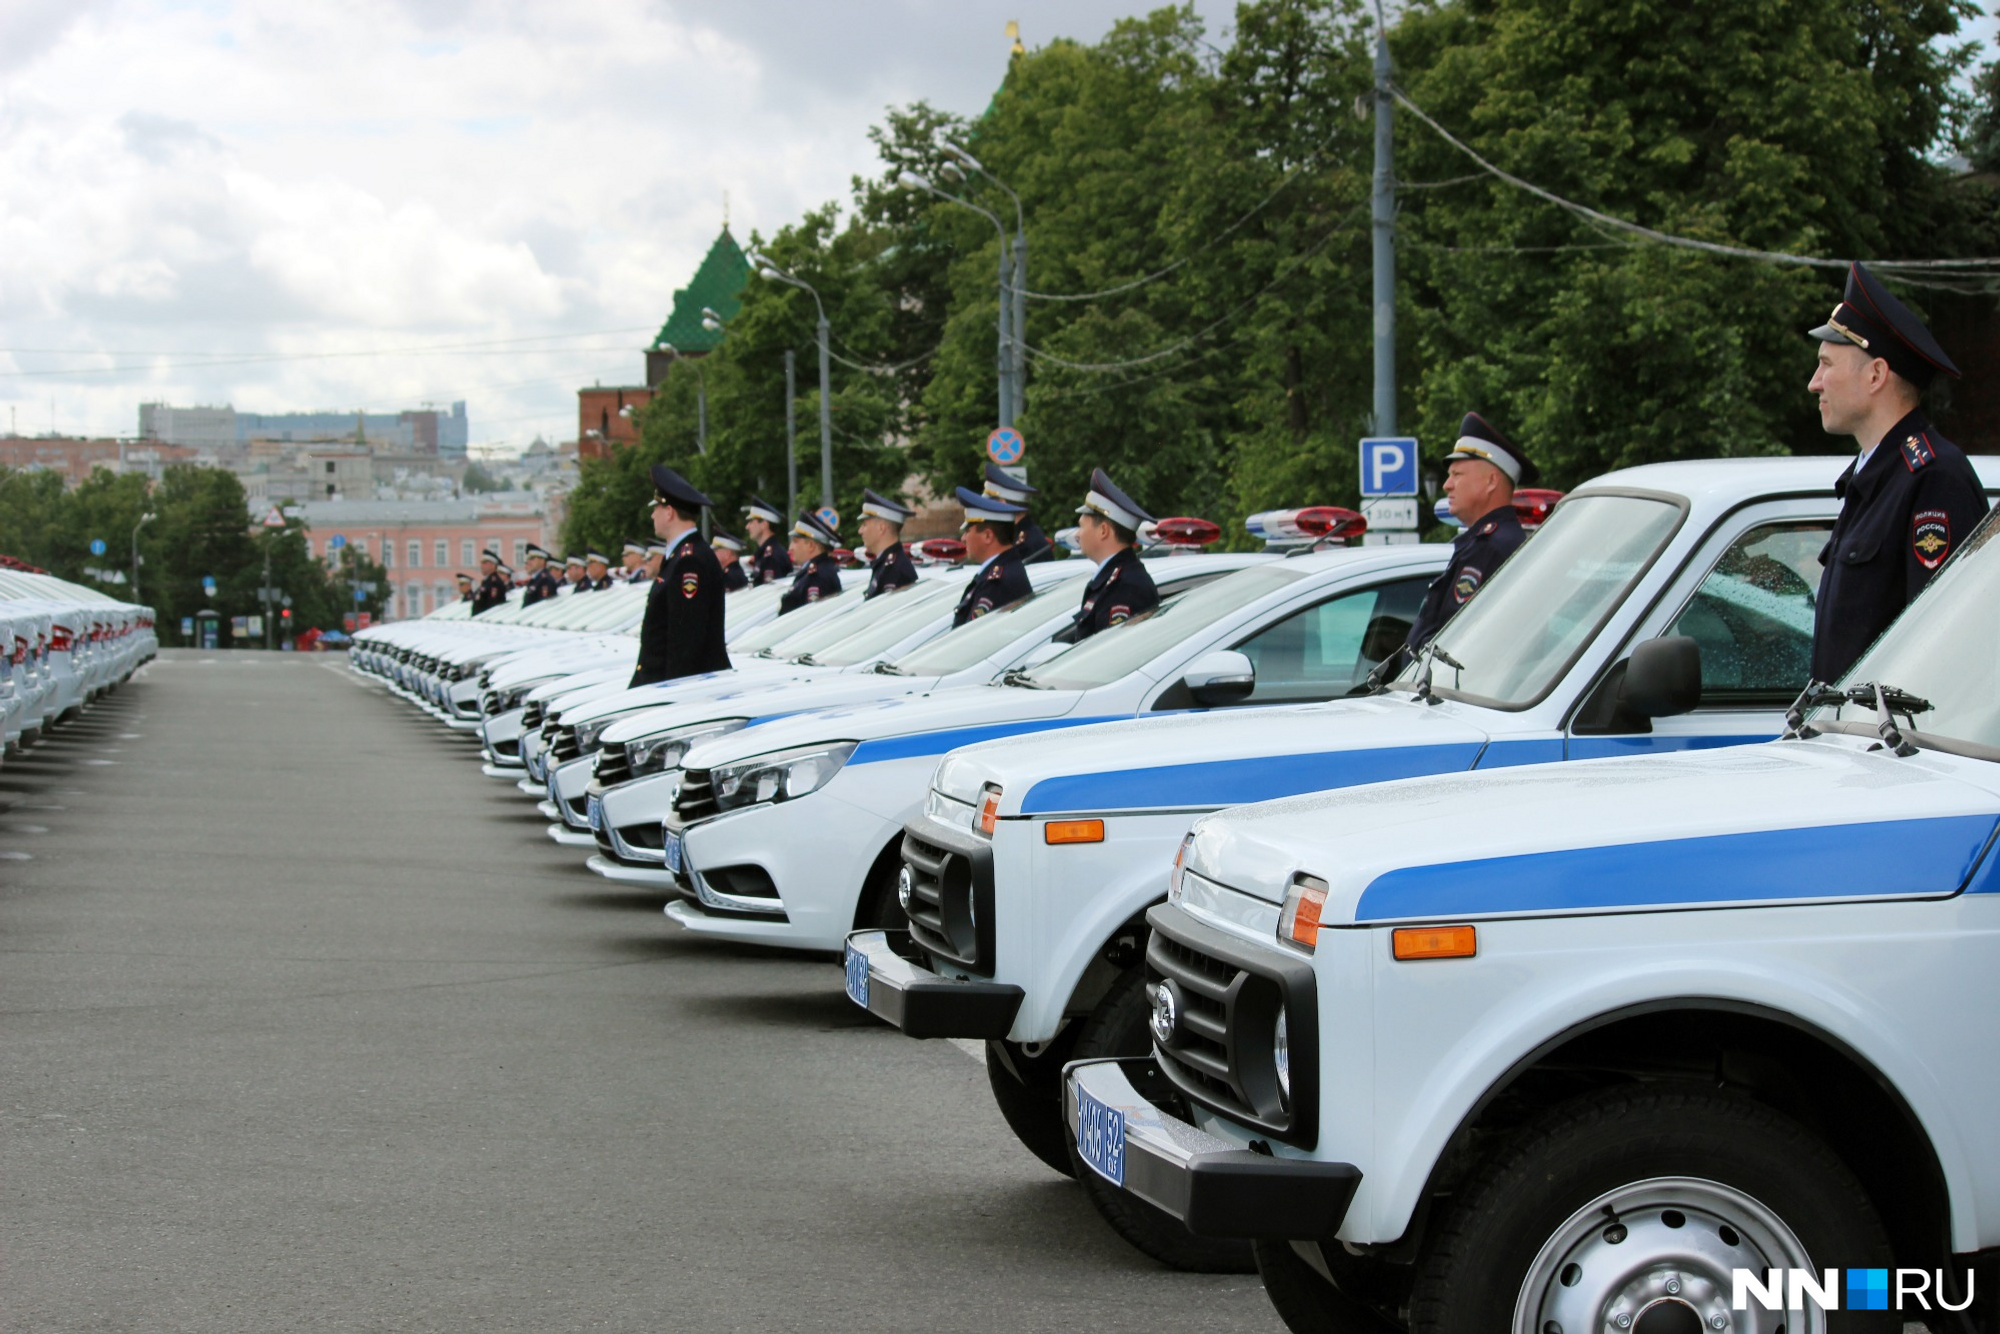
(1389, 465)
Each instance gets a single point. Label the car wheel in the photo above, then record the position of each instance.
(881, 910)
(1308, 1304)
(1630, 1208)
(1118, 1027)
(1028, 1090)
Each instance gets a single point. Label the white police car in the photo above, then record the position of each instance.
(1578, 1047)
(790, 831)
(638, 765)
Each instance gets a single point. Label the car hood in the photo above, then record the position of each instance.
(682, 689)
(768, 700)
(1219, 758)
(1775, 823)
(528, 665)
(902, 728)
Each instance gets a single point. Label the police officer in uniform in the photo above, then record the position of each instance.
(1910, 497)
(1482, 471)
(818, 575)
(633, 562)
(493, 585)
(541, 584)
(728, 550)
(573, 575)
(992, 539)
(596, 573)
(760, 520)
(682, 634)
(1035, 544)
(1108, 531)
(889, 565)
(464, 587)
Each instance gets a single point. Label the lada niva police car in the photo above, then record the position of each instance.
(789, 831)
(1662, 608)
(1577, 1047)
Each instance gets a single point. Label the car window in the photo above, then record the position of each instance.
(1753, 615)
(1111, 654)
(1324, 650)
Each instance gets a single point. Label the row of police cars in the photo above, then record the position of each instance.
(62, 645)
(1575, 976)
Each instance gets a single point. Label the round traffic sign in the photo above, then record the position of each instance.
(829, 516)
(97, 546)
(1005, 446)
(337, 541)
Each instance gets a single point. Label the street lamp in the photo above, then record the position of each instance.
(144, 519)
(1020, 299)
(772, 273)
(1004, 357)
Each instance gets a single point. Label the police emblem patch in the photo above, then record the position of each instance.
(1465, 585)
(1930, 537)
(690, 583)
(1120, 615)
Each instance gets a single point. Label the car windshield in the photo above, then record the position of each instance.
(790, 625)
(451, 611)
(1942, 651)
(745, 604)
(602, 609)
(1111, 654)
(1521, 633)
(910, 609)
(979, 639)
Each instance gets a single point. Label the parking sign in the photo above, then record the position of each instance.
(1389, 465)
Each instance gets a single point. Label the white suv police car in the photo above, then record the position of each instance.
(1582, 1046)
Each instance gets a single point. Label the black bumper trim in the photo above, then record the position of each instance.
(924, 1005)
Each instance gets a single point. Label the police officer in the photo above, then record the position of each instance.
(596, 573)
(632, 561)
(1910, 497)
(464, 587)
(1108, 531)
(573, 575)
(682, 634)
(992, 539)
(889, 565)
(493, 586)
(760, 521)
(728, 550)
(818, 574)
(1035, 544)
(541, 584)
(1481, 473)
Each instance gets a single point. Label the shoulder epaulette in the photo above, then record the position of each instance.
(1917, 453)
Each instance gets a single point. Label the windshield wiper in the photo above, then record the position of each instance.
(1432, 655)
(1020, 676)
(887, 668)
(1888, 701)
(806, 660)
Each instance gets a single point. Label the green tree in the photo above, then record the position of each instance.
(477, 480)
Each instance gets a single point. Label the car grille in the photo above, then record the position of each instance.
(613, 766)
(696, 799)
(1228, 997)
(564, 748)
(531, 718)
(951, 902)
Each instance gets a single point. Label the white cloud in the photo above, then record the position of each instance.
(187, 180)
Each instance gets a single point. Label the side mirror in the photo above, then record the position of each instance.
(1222, 677)
(1662, 678)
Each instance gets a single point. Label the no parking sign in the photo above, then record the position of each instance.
(1005, 446)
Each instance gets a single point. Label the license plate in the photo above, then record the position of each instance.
(593, 811)
(1100, 1137)
(857, 977)
(670, 848)
(555, 791)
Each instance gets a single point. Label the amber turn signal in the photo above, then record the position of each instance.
(1073, 831)
(1434, 942)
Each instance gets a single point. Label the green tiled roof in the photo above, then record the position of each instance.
(717, 284)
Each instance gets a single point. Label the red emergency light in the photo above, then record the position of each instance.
(942, 550)
(1532, 505)
(1187, 531)
(1330, 522)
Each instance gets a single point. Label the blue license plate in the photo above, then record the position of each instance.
(593, 810)
(1100, 1137)
(671, 849)
(555, 792)
(857, 977)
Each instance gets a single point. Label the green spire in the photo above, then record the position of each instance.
(718, 285)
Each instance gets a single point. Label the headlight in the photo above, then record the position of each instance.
(1281, 1058)
(665, 750)
(989, 809)
(783, 776)
(588, 733)
(1180, 865)
(1298, 920)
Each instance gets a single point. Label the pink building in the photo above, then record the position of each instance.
(424, 544)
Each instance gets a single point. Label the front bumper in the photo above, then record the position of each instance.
(652, 877)
(1214, 1188)
(921, 1003)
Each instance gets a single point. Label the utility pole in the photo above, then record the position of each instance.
(825, 415)
(1384, 213)
(1019, 327)
(791, 433)
(1005, 361)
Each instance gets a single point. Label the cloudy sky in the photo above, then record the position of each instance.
(380, 203)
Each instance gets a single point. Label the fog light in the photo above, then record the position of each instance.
(903, 888)
(1281, 1057)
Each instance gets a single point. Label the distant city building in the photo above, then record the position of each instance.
(423, 544)
(75, 457)
(224, 429)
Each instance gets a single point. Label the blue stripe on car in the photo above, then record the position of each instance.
(937, 743)
(1886, 859)
(1233, 782)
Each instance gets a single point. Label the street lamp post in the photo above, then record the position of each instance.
(144, 519)
(771, 273)
(1018, 323)
(1005, 359)
(791, 433)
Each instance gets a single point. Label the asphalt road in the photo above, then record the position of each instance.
(306, 1025)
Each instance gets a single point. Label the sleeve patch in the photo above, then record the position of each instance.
(690, 583)
(1467, 583)
(1120, 615)
(1930, 537)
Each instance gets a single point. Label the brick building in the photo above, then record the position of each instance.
(75, 457)
(423, 544)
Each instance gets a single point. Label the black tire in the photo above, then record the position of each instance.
(1028, 1090)
(880, 909)
(1308, 1304)
(1118, 1027)
(1700, 1156)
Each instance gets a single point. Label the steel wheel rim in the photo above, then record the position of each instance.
(1621, 1264)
